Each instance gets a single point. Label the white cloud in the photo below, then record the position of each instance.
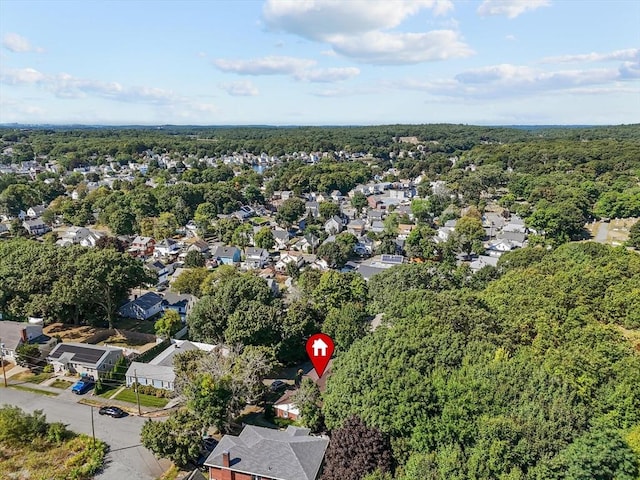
(298, 68)
(264, 66)
(317, 19)
(241, 88)
(506, 80)
(327, 75)
(358, 28)
(510, 8)
(19, 44)
(511, 38)
(64, 85)
(402, 48)
(617, 55)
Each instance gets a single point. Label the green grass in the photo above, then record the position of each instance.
(128, 395)
(63, 384)
(32, 377)
(34, 390)
(107, 393)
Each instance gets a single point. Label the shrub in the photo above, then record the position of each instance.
(47, 369)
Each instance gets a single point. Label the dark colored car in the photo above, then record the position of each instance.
(277, 385)
(114, 412)
(208, 444)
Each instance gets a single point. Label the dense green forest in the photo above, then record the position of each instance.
(528, 376)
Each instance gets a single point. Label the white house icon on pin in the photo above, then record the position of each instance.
(319, 348)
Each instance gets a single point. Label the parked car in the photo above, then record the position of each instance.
(277, 385)
(114, 412)
(208, 444)
(82, 386)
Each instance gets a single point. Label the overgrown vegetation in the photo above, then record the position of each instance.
(32, 448)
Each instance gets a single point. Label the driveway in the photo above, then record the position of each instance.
(127, 458)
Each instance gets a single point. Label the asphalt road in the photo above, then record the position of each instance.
(127, 458)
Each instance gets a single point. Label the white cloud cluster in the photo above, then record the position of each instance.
(507, 80)
(264, 66)
(65, 86)
(242, 88)
(19, 44)
(617, 55)
(359, 29)
(510, 8)
(298, 68)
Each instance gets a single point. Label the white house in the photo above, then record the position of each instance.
(333, 225)
(159, 372)
(82, 358)
(143, 307)
(256, 257)
(166, 248)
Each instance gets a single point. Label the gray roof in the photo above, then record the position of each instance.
(11, 333)
(81, 352)
(177, 299)
(147, 300)
(225, 252)
(286, 455)
(367, 271)
(513, 236)
(151, 371)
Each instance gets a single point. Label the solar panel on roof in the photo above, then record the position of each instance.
(80, 353)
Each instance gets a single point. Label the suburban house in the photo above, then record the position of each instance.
(287, 258)
(256, 257)
(181, 303)
(82, 358)
(356, 227)
(281, 238)
(284, 406)
(309, 243)
(142, 246)
(143, 307)
(159, 372)
(14, 334)
(35, 227)
(166, 248)
(161, 270)
(333, 225)
(35, 212)
(227, 255)
(199, 246)
(266, 454)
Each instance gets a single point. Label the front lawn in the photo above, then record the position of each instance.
(128, 395)
(33, 377)
(63, 384)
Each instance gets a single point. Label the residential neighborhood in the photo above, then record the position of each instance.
(178, 288)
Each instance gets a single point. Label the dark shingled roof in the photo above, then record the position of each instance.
(81, 353)
(287, 455)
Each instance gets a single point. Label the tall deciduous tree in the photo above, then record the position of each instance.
(264, 238)
(168, 324)
(290, 211)
(468, 232)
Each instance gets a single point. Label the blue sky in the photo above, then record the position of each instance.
(320, 62)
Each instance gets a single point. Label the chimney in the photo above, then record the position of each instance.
(225, 459)
(23, 335)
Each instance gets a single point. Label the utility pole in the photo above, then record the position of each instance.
(93, 430)
(135, 375)
(4, 373)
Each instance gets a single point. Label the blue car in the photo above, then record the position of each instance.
(82, 386)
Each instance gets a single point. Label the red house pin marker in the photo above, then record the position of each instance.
(320, 349)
